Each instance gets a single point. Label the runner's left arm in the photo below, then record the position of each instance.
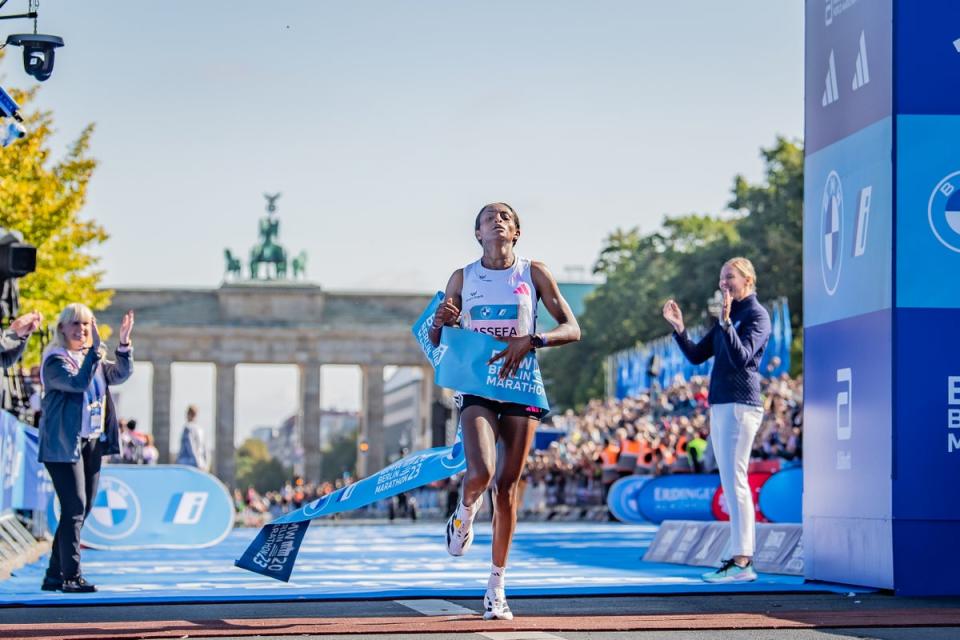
(567, 329)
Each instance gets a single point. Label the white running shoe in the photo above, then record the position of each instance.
(495, 605)
(460, 532)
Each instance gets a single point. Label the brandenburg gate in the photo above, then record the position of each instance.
(276, 323)
(276, 320)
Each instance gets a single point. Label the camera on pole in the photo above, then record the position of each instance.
(17, 259)
(38, 48)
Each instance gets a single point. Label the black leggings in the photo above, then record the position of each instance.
(76, 487)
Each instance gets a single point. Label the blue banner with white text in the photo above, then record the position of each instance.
(274, 551)
(462, 363)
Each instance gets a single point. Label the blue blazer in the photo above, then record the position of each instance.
(62, 407)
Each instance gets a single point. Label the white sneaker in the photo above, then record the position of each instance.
(460, 532)
(730, 572)
(495, 605)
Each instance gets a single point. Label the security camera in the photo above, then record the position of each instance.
(37, 52)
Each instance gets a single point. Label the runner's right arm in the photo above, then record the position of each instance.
(448, 313)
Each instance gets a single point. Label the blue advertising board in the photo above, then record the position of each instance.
(680, 497)
(928, 211)
(927, 64)
(848, 227)
(781, 496)
(847, 68)
(927, 435)
(623, 499)
(847, 438)
(155, 507)
(24, 483)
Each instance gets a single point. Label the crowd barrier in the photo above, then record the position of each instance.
(777, 497)
(779, 547)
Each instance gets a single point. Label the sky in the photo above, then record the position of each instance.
(387, 125)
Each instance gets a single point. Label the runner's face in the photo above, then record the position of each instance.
(497, 223)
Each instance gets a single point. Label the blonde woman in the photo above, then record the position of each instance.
(78, 427)
(737, 342)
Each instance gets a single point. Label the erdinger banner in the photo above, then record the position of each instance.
(155, 507)
(274, 550)
(460, 363)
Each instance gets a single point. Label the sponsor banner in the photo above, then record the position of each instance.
(848, 65)
(274, 551)
(680, 497)
(776, 549)
(705, 544)
(781, 497)
(461, 363)
(622, 499)
(847, 231)
(928, 210)
(24, 483)
(927, 38)
(713, 546)
(847, 426)
(927, 433)
(155, 507)
(719, 503)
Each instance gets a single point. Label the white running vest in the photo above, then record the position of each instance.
(501, 303)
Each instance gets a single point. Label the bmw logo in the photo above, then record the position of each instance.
(116, 510)
(944, 211)
(485, 312)
(831, 232)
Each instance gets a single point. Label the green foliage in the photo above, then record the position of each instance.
(256, 468)
(42, 199)
(340, 457)
(682, 261)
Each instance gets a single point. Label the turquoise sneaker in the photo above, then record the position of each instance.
(730, 572)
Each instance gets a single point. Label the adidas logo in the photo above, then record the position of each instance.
(831, 94)
(862, 76)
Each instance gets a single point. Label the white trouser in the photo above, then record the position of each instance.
(733, 427)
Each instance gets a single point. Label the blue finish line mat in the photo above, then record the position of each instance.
(381, 561)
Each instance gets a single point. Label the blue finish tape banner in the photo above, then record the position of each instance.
(155, 507)
(274, 551)
(781, 496)
(688, 497)
(24, 483)
(460, 363)
(623, 499)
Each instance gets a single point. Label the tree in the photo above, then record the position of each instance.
(682, 261)
(258, 469)
(42, 199)
(772, 231)
(340, 457)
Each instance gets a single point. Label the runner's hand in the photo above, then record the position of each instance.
(447, 314)
(517, 348)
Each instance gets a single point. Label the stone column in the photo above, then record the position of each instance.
(224, 463)
(425, 410)
(310, 421)
(372, 424)
(161, 408)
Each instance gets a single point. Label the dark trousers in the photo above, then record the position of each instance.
(76, 487)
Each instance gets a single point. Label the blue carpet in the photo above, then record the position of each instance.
(367, 561)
